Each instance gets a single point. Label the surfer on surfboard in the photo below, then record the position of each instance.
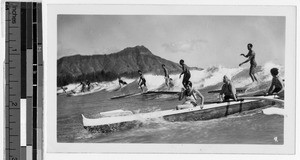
(82, 86)
(228, 91)
(190, 94)
(186, 73)
(88, 83)
(251, 58)
(142, 81)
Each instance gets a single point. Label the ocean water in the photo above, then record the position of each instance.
(252, 127)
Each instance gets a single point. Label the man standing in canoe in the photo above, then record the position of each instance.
(167, 77)
(142, 80)
(186, 73)
(228, 91)
(277, 83)
(190, 95)
(251, 58)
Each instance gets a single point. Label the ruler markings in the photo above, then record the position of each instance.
(24, 70)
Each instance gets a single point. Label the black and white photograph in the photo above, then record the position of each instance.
(172, 79)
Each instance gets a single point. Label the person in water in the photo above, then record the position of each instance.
(167, 77)
(88, 83)
(251, 58)
(82, 86)
(190, 95)
(186, 73)
(228, 91)
(121, 82)
(277, 86)
(142, 80)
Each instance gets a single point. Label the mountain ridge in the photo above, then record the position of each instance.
(107, 67)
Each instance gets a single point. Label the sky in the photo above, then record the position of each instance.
(202, 41)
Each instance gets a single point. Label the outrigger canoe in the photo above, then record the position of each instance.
(120, 120)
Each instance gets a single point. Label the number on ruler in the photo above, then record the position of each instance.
(14, 103)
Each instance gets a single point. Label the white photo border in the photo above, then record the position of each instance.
(50, 54)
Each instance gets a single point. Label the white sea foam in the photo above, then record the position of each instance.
(263, 76)
(200, 79)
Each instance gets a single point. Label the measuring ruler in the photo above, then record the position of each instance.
(24, 81)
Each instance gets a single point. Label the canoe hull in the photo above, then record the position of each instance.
(218, 112)
(210, 111)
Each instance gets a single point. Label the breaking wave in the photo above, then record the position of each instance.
(211, 76)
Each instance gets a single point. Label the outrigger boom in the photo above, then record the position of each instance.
(210, 111)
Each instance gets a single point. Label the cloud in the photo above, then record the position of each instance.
(185, 46)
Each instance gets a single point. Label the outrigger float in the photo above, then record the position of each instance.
(119, 120)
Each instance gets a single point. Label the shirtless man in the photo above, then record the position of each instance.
(167, 77)
(277, 83)
(186, 73)
(142, 80)
(190, 96)
(251, 58)
(228, 90)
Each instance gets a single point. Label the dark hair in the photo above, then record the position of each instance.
(181, 61)
(251, 45)
(274, 71)
(139, 71)
(163, 65)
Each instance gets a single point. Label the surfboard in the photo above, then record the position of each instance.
(162, 92)
(126, 95)
(144, 93)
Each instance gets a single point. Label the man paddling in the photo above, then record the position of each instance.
(167, 77)
(186, 73)
(277, 86)
(251, 58)
(228, 91)
(142, 80)
(190, 95)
